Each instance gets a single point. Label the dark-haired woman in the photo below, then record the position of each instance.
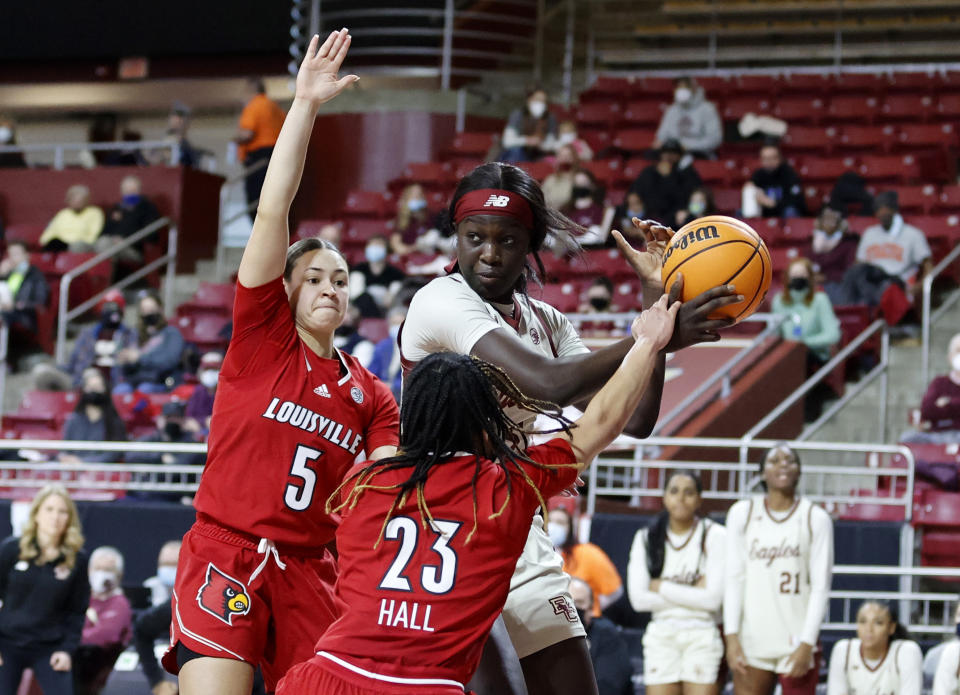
(430, 537)
(676, 572)
(880, 660)
(501, 222)
(778, 572)
(531, 130)
(255, 578)
(95, 419)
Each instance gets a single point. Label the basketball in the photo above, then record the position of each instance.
(719, 250)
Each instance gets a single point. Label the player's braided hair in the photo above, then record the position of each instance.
(450, 405)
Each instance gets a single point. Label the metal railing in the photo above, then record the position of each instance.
(930, 316)
(59, 149)
(64, 314)
(4, 353)
(225, 189)
(619, 476)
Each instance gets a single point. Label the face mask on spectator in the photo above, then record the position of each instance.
(582, 192)
(5, 134)
(600, 303)
(955, 362)
(375, 253)
(152, 319)
(557, 533)
(167, 574)
(537, 108)
(110, 315)
(567, 138)
(697, 207)
(634, 213)
(209, 378)
(173, 429)
(682, 95)
(131, 200)
(416, 204)
(102, 581)
(799, 285)
(94, 398)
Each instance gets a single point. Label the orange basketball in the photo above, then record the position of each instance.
(718, 250)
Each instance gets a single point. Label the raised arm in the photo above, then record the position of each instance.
(317, 83)
(610, 409)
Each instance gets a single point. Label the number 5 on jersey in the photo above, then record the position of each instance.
(299, 496)
(433, 579)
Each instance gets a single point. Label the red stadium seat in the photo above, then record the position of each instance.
(370, 204)
(310, 228)
(939, 549)
(867, 137)
(470, 145)
(866, 511)
(727, 200)
(714, 172)
(538, 170)
(916, 135)
(215, 294)
(47, 403)
(756, 84)
(431, 175)
(949, 198)
(714, 85)
(641, 113)
(858, 109)
(606, 171)
(27, 233)
(799, 110)
(948, 106)
(889, 168)
(634, 141)
(661, 86)
(860, 83)
(462, 167)
(599, 114)
(806, 138)
(736, 108)
(599, 140)
(607, 262)
(607, 88)
(361, 231)
(907, 107)
(912, 82)
(814, 197)
(203, 331)
(798, 231)
(806, 83)
(631, 170)
(563, 297)
(824, 169)
(917, 199)
(938, 509)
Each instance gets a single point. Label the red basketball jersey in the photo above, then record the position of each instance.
(286, 426)
(421, 604)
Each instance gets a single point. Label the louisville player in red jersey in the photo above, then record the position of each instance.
(431, 536)
(255, 578)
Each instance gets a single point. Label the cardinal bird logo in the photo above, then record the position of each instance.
(223, 596)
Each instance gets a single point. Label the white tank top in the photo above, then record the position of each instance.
(879, 679)
(686, 564)
(776, 578)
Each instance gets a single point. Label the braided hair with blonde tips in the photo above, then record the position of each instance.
(451, 405)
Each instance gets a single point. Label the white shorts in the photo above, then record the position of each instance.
(778, 666)
(539, 611)
(691, 655)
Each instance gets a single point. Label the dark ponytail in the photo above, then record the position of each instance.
(657, 531)
(900, 631)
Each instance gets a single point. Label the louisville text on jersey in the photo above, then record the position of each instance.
(303, 418)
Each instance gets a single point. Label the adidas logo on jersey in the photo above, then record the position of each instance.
(497, 201)
(321, 390)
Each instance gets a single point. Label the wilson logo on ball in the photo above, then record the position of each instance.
(693, 236)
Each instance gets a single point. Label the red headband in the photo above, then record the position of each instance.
(494, 201)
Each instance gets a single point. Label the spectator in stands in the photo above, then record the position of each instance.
(558, 186)
(412, 222)
(892, 259)
(45, 593)
(385, 363)
(154, 366)
(347, 337)
(833, 250)
(567, 135)
(154, 623)
(200, 404)
(97, 346)
(599, 299)
(161, 584)
(809, 319)
(178, 123)
(8, 137)
(608, 649)
(665, 187)
(585, 561)
(257, 132)
(107, 628)
(699, 204)
(587, 209)
(940, 409)
(374, 282)
(170, 430)
(880, 659)
(332, 232)
(23, 293)
(126, 218)
(94, 419)
(946, 680)
(531, 130)
(77, 226)
(692, 120)
(774, 190)
(631, 207)
(850, 195)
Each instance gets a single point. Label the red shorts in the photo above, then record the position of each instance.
(323, 676)
(273, 621)
(807, 683)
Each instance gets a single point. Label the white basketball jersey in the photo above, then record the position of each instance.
(686, 564)
(776, 578)
(879, 679)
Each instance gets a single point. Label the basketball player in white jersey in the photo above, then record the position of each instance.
(676, 573)
(880, 660)
(778, 573)
(946, 681)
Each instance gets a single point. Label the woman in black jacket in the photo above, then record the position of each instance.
(45, 593)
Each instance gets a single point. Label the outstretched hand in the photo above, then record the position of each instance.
(657, 323)
(647, 264)
(694, 324)
(317, 79)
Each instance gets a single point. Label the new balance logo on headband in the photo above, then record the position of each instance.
(497, 201)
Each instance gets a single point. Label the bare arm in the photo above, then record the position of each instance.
(265, 254)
